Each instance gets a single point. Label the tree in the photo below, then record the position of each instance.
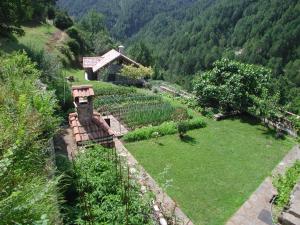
(14, 13)
(92, 22)
(94, 32)
(51, 13)
(142, 54)
(62, 20)
(137, 72)
(232, 85)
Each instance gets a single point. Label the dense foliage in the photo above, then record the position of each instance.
(285, 184)
(62, 20)
(124, 17)
(27, 123)
(235, 86)
(14, 13)
(105, 192)
(133, 72)
(163, 129)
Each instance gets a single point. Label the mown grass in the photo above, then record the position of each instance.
(214, 169)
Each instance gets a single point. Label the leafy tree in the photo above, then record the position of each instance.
(232, 85)
(14, 13)
(95, 33)
(92, 22)
(62, 20)
(142, 54)
(51, 13)
(137, 72)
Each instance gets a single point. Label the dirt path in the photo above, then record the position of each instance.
(56, 38)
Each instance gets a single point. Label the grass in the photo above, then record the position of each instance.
(35, 36)
(215, 169)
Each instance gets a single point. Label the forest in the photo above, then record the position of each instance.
(185, 38)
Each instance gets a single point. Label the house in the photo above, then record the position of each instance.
(107, 66)
(86, 124)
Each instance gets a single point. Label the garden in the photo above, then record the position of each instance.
(136, 110)
(213, 169)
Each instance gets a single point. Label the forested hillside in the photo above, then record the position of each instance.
(186, 37)
(124, 17)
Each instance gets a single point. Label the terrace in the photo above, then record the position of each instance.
(215, 169)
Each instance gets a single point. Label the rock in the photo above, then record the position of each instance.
(156, 208)
(162, 221)
(143, 189)
(132, 170)
(289, 219)
(295, 202)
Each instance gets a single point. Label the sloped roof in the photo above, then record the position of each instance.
(94, 130)
(82, 91)
(89, 62)
(109, 57)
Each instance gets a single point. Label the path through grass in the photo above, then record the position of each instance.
(216, 168)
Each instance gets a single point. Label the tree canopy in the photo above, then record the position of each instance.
(231, 85)
(14, 13)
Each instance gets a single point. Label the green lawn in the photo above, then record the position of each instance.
(216, 168)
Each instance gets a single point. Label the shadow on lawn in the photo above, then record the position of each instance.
(188, 139)
(264, 129)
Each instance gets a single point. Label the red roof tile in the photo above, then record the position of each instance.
(94, 129)
(82, 91)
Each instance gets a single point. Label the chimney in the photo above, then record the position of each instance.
(121, 49)
(83, 101)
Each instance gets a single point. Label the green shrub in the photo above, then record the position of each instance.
(285, 184)
(165, 128)
(195, 123)
(74, 46)
(106, 193)
(182, 128)
(28, 190)
(144, 133)
(62, 20)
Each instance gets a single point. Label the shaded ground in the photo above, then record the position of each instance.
(64, 143)
(215, 169)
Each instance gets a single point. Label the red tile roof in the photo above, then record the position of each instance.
(94, 130)
(82, 91)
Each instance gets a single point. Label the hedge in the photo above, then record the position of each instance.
(166, 128)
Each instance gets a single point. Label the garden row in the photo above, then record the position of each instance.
(138, 110)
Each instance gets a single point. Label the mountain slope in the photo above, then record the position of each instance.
(124, 17)
(260, 32)
(188, 36)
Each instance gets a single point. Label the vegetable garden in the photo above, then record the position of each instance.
(137, 110)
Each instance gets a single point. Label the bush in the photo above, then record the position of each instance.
(148, 132)
(51, 13)
(285, 184)
(74, 46)
(105, 192)
(195, 123)
(63, 21)
(182, 128)
(165, 128)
